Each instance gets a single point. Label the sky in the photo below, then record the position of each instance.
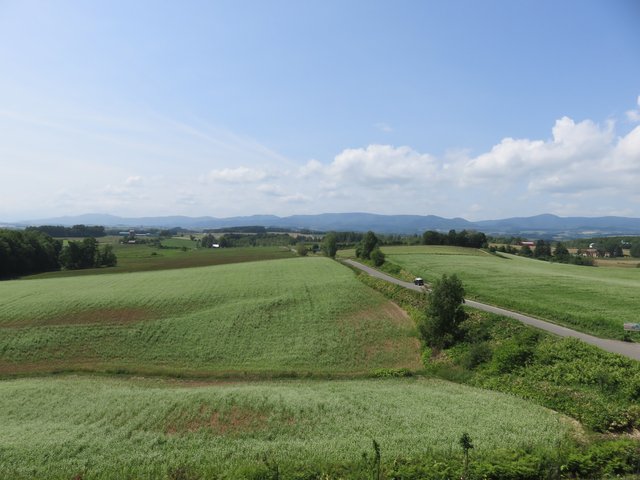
(475, 109)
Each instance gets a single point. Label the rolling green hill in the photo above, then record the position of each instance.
(280, 317)
(591, 299)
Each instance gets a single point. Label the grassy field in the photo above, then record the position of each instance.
(594, 300)
(297, 316)
(228, 375)
(103, 428)
(142, 258)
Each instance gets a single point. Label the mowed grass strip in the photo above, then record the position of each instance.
(590, 299)
(294, 317)
(108, 428)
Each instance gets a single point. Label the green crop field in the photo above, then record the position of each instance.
(294, 316)
(142, 257)
(232, 369)
(591, 299)
(101, 428)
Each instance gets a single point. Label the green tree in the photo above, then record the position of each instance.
(301, 249)
(561, 254)
(330, 244)
(86, 254)
(368, 243)
(207, 240)
(525, 251)
(613, 247)
(542, 250)
(108, 257)
(71, 256)
(377, 256)
(445, 312)
(224, 242)
(635, 250)
(89, 253)
(431, 237)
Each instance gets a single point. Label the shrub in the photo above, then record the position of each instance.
(477, 354)
(510, 356)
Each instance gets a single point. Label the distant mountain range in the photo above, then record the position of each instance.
(545, 225)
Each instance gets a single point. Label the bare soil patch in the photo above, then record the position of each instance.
(407, 349)
(234, 421)
(395, 314)
(101, 316)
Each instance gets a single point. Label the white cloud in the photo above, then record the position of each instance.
(382, 164)
(580, 157)
(310, 168)
(634, 115)
(169, 168)
(570, 143)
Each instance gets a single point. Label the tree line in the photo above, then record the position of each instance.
(465, 238)
(74, 231)
(269, 239)
(32, 251)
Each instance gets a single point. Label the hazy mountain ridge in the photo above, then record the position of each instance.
(539, 225)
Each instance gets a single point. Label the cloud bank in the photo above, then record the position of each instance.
(582, 168)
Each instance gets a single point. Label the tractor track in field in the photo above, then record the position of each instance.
(627, 349)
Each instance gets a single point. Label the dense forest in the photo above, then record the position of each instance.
(465, 238)
(32, 251)
(79, 231)
(29, 251)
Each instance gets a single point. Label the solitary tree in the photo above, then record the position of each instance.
(445, 312)
(367, 245)
(330, 244)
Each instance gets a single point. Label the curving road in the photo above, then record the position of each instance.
(627, 349)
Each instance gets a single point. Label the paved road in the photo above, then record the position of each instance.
(631, 350)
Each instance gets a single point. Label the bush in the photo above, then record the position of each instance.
(510, 356)
(477, 354)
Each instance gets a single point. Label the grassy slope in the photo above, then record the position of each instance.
(594, 300)
(108, 428)
(143, 258)
(303, 315)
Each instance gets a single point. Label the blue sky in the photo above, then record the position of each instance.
(458, 108)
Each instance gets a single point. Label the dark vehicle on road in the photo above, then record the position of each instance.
(418, 281)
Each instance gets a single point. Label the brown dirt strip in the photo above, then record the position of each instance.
(102, 316)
